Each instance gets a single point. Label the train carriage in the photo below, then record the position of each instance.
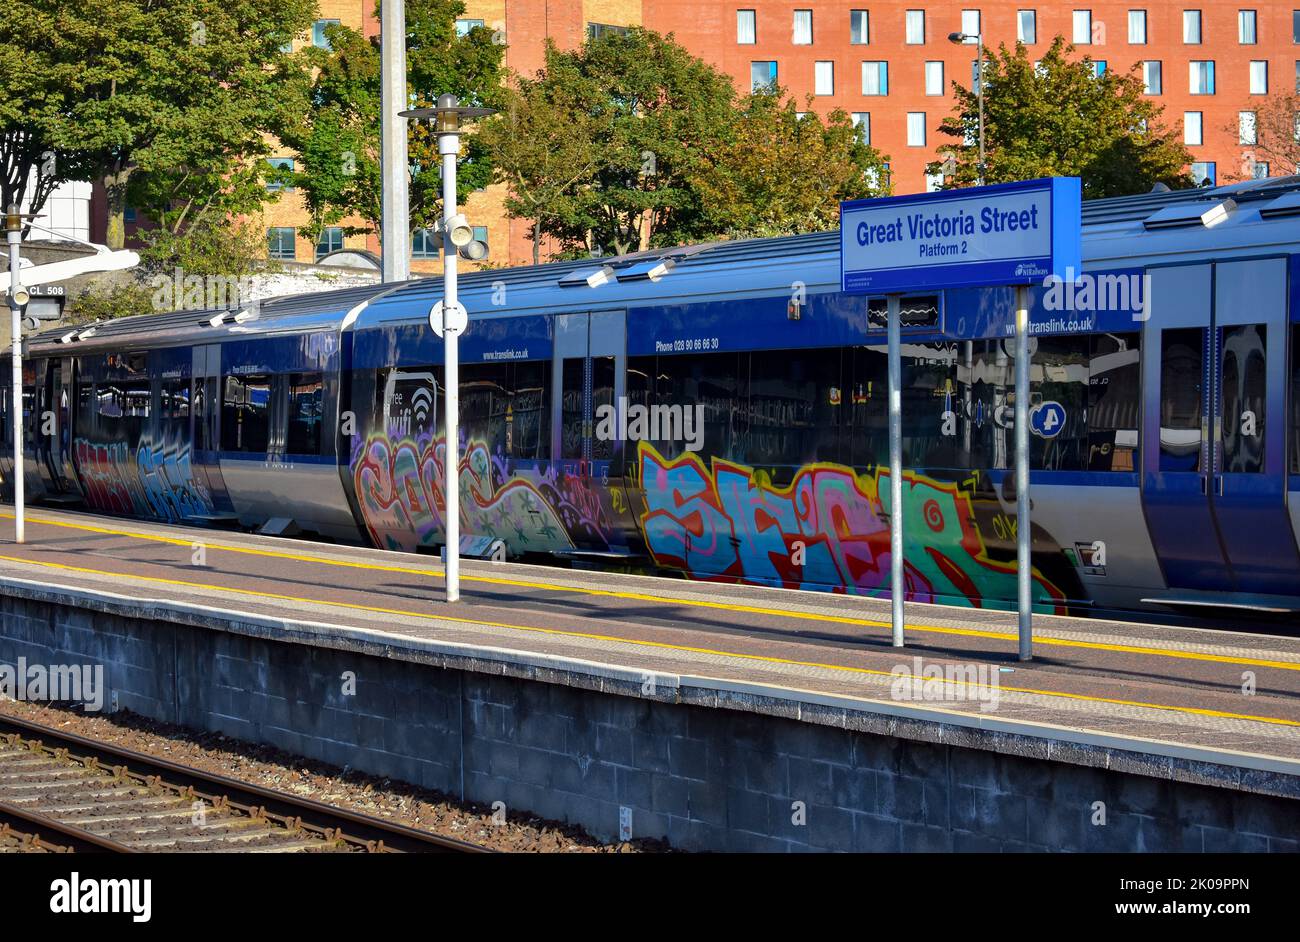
(720, 411)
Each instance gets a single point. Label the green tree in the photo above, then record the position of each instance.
(654, 109)
(1061, 119)
(337, 136)
(172, 97)
(779, 172)
(543, 146)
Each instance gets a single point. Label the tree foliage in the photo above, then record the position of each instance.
(170, 99)
(1061, 119)
(1277, 137)
(337, 134)
(779, 172)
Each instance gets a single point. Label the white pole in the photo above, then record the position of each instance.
(1024, 560)
(897, 588)
(448, 147)
(13, 225)
(396, 209)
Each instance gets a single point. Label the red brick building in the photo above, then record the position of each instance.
(891, 65)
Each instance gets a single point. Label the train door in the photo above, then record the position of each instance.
(1213, 378)
(205, 419)
(1247, 488)
(590, 370)
(53, 429)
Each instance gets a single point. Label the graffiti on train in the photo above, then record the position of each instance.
(154, 479)
(828, 529)
(399, 488)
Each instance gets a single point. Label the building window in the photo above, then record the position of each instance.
(762, 76)
(1137, 27)
(933, 182)
(862, 121)
(859, 27)
(916, 129)
(1246, 27)
(1246, 128)
(1295, 26)
(934, 78)
(1259, 77)
(824, 78)
(331, 240)
(424, 243)
(481, 235)
(1204, 172)
(1027, 27)
(1192, 128)
(1201, 77)
(970, 24)
(802, 28)
(1098, 67)
(746, 31)
(318, 33)
(875, 78)
(597, 30)
(464, 26)
(280, 243)
(1151, 78)
(1259, 169)
(1192, 27)
(1083, 27)
(915, 21)
(281, 167)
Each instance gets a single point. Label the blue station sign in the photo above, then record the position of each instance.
(1004, 234)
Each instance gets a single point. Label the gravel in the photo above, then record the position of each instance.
(346, 788)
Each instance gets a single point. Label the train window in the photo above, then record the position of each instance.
(702, 386)
(1295, 399)
(1181, 365)
(602, 394)
(1059, 383)
(1243, 395)
(929, 394)
(867, 399)
(795, 410)
(176, 409)
(504, 405)
(244, 410)
(123, 409)
(571, 392)
(1114, 397)
(84, 420)
(305, 405)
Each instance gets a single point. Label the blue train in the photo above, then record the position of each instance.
(720, 411)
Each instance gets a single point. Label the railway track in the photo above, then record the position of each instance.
(61, 792)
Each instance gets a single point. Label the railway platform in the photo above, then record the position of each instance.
(964, 723)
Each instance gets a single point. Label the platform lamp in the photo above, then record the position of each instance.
(449, 317)
(961, 39)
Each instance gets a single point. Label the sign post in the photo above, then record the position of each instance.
(1008, 234)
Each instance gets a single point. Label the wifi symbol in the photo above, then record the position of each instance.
(421, 403)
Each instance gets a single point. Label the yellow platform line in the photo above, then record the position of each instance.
(663, 645)
(693, 603)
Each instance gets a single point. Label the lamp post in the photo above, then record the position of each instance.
(961, 38)
(19, 280)
(449, 317)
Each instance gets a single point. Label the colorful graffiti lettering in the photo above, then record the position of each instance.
(828, 529)
(153, 480)
(399, 488)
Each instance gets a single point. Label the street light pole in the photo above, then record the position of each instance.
(961, 38)
(13, 231)
(449, 317)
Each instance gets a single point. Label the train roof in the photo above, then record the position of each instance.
(1250, 218)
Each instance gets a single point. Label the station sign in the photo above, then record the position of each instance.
(1004, 234)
